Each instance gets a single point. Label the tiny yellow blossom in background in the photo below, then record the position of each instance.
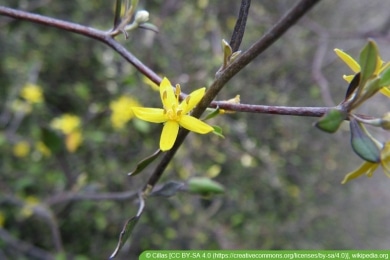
(2, 219)
(32, 93)
(20, 106)
(73, 140)
(29, 204)
(70, 126)
(21, 149)
(121, 111)
(66, 123)
(43, 149)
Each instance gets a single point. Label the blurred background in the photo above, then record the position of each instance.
(67, 140)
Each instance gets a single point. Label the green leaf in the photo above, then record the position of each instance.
(372, 87)
(52, 139)
(385, 78)
(218, 131)
(368, 60)
(128, 228)
(168, 189)
(144, 163)
(125, 234)
(204, 186)
(362, 143)
(331, 121)
(214, 113)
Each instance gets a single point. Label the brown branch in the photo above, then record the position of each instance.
(277, 110)
(239, 28)
(102, 36)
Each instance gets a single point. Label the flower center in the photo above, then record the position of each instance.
(173, 114)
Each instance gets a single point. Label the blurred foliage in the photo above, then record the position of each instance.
(281, 175)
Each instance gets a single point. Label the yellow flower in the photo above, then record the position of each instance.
(43, 149)
(368, 168)
(21, 149)
(174, 114)
(30, 203)
(70, 126)
(2, 219)
(66, 123)
(73, 140)
(121, 111)
(32, 93)
(355, 67)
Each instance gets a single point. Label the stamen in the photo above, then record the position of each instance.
(179, 112)
(165, 95)
(178, 91)
(188, 99)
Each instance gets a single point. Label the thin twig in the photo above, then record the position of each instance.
(277, 110)
(15, 245)
(239, 28)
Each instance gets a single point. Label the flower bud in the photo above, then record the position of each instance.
(141, 16)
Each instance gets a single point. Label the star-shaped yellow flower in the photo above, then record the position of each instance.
(355, 67)
(368, 168)
(173, 114)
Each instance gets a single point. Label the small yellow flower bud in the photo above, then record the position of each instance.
(141, 16)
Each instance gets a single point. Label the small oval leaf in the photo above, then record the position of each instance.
(168, 189)
(368, 60)
(385, 78)
(218, 131)
(362, 144)
(144, 163)
(331, 121)
(204, 186)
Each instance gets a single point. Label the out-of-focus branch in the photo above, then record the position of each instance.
(318, 60)
(72, 196)
(27, 249)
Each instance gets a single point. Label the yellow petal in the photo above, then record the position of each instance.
(167, 95)
(194, 98)
(355, 67)
(168, 135)
(366, 167)
(195, 125)
(154, 115)
(385, 91)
